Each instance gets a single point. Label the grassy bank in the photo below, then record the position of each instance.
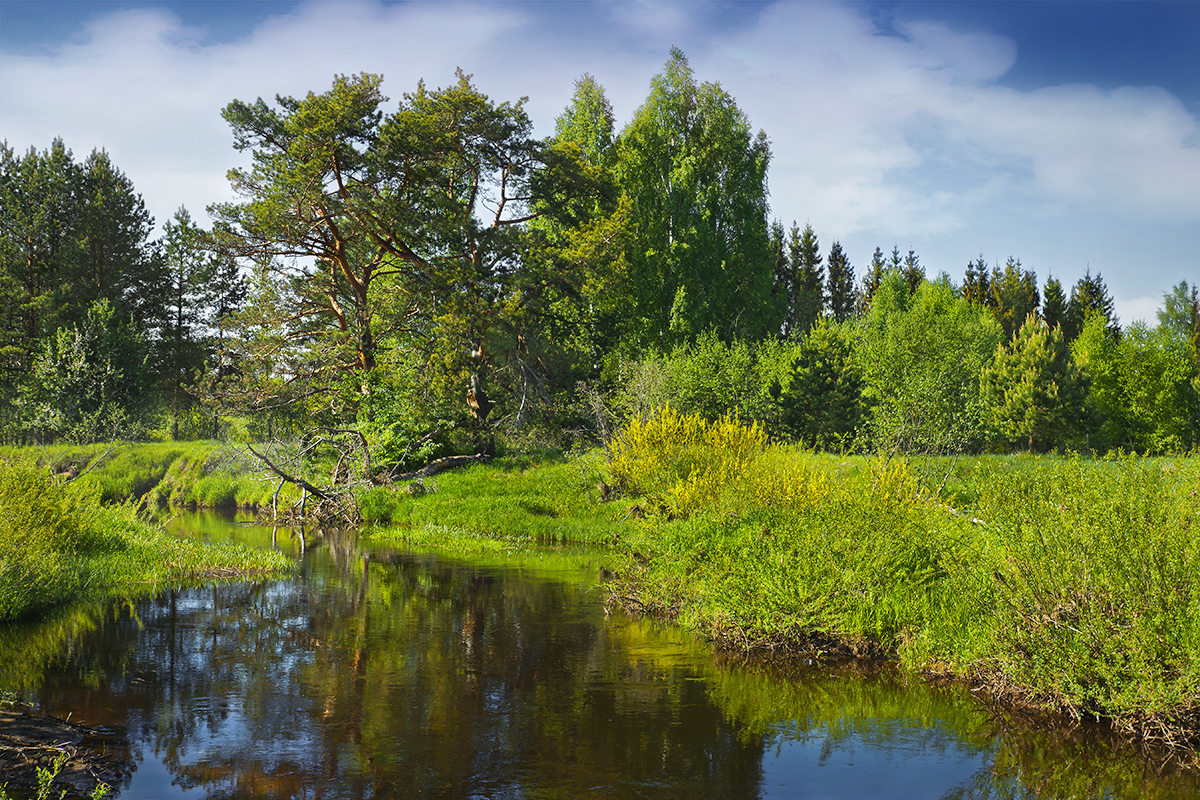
(59, 541)
(517, 500)
(1064, 582)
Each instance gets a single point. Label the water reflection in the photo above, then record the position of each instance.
(392, 674)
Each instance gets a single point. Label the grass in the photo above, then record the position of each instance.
(510, 501)
(1067, 583)
(59, 542)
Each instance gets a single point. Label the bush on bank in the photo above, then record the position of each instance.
(1071, 583)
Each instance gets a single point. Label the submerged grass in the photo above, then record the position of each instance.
(59, 542)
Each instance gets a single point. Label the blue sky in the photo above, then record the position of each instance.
(1066, 134)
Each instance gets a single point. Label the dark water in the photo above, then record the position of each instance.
(389, 674)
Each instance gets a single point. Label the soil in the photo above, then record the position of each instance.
(93, 755)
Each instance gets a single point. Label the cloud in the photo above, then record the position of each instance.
(906, 137)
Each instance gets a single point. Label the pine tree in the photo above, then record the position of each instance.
(1033, 392)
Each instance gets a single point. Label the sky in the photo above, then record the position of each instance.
(1065, 134)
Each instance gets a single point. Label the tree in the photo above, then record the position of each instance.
(871, 281)
(371, 229)
(1033, 393)
(90, 380)
(807, 296)
(1146, 383)
(842, 298)
(976, 287)
(696, 180)
(1089, 296)
(1180, 314)
(70, 234)
(921, 356)
(1054, 303)
(1014, 296)
(821, 400)
(911, 270)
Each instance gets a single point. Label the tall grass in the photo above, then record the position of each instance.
(1071, 583)
(58, 542)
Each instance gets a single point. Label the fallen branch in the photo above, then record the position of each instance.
(441, 465)
(303, 484)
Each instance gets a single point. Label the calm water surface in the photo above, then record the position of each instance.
(381, 673)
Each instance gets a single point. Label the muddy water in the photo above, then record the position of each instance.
(380, 673)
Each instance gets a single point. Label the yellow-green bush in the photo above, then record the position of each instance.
(682, 459)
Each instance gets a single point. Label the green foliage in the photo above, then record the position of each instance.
(58, 541)
(1068, 582)
(709, 378)
(921, 357)
(696, 179)
(1014, 296)
(680, 459)
(1144, 382)
(510, 502)
(820, 400)
(1033, 393)
(90, 381)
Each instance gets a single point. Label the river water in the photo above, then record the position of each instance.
(383, 673)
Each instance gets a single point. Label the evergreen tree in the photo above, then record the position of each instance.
(976, 288)
(1033, 393)
(804, 253)
(912, 271)
(1089, 296)
(821, 404)
(842, 298)
(871, 281)
(1014, 296)
(1054, 303)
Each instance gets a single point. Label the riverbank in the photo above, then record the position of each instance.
(1062, 583)
(61, 542)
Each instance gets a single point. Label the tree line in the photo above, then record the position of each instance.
(430, 274)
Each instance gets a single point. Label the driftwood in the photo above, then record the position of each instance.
(441, 465)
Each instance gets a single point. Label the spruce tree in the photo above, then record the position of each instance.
(1054, 303)
(804, 253)
(871, 281)
(841, 284)
(912, 271)
(1089, 296)
(1014, 296)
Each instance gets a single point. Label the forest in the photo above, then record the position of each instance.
(431, 278)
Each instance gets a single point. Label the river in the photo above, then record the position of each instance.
(382, 673)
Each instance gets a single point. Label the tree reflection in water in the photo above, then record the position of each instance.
(389, 674)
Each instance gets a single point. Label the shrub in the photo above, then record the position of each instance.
(681, 459)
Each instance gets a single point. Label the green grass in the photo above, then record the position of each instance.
(58, 542)
(1069, 583)
(509, 501)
